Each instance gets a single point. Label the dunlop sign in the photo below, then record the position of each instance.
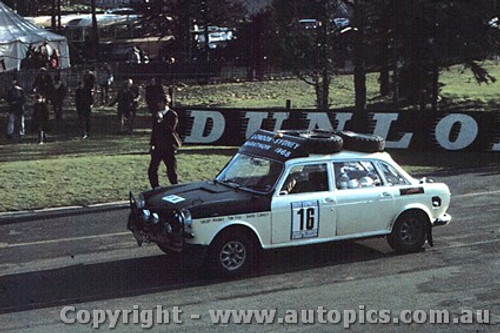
(417, 130)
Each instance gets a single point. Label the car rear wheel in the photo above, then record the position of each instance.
(232, 254)
(409, 233)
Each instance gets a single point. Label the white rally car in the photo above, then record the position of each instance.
(288, 189)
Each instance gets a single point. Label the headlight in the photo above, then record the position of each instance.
(141, 202)
(155, 218)
(145, 215)
(187, 218)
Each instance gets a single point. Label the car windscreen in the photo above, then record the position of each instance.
(251, 173)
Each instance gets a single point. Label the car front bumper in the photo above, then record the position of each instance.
(442, 220)
(147, 230)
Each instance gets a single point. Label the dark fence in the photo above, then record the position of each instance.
(412, 130)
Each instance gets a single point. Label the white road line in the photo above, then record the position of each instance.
(475, 194)
(489, 241)
(51, 241)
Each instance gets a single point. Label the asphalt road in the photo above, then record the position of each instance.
(88, 260)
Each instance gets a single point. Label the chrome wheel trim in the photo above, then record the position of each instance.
(411, 230)
(233, 255)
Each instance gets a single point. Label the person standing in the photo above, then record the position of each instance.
(54, 59)
(89, 80)
(164, 143)
(43, 83)
(104, 79)
(127, 99)
(84, 101)
(154, 91)
(59, 92)
(16, 100)
(40, 117)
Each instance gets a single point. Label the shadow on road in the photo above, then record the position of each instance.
(133, 277)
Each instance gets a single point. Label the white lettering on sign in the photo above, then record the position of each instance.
(342, 117)
(200, 122)
(467, 128)
(382, 127)
(319, 120)
(467, 134)
(258, 145)
(256, 118)
(280, 118)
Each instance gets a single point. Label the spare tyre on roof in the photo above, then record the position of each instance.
(367, 143)
(318, 142)
(327, 142)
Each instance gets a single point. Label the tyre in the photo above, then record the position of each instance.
(232, 254)
(318, 142)
(362, 142)
(409, 233)
(171, 253)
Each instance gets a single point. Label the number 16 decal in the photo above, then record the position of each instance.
(305, 219)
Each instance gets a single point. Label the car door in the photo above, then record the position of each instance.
(303, 208)
(364, 202)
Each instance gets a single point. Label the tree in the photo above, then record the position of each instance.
(314, 51)
(24, 7)
(257, 43)
(177, 18)
(418, 38)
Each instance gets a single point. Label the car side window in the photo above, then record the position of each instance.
(305, 179)
(355, 174)
(391, 175)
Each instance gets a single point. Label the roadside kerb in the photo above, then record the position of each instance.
(54, 212)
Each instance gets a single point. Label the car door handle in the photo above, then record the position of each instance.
(385, 195)
(329, 200)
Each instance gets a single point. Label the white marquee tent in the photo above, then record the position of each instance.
(17, 34)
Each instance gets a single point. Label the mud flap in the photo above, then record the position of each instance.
(133, 220)
(429, 234)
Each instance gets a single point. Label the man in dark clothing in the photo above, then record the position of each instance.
(164, 143)
(16, 99)
(84, 101)
(40, 117)
(43, 84)
(89, 80)
(154, 92)
(59, 92)
(127, 99)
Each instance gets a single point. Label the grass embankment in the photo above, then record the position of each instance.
(68, 171)
(460, 91)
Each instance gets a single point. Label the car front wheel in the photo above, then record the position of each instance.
(232, 254)
(409, 233)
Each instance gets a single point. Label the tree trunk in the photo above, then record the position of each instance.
(325, 80)
(53, 14)
(359, 61)
(94, 39)
(59, 26)
(435, 84)
(323, 83)
(384, 81)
